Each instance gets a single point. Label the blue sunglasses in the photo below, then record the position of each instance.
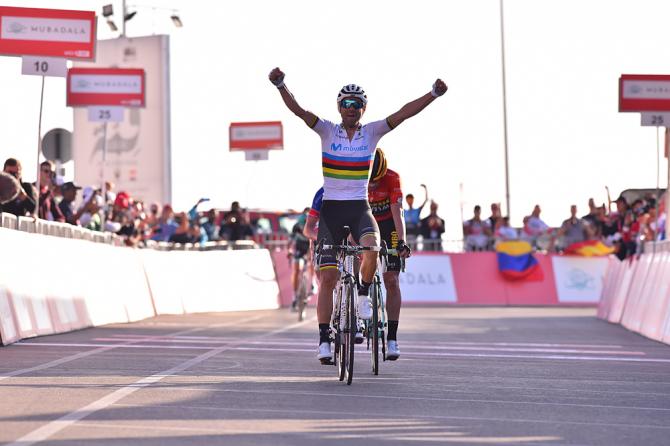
(351, 103)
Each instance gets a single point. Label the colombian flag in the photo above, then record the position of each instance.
(589, 248)
(516, 261)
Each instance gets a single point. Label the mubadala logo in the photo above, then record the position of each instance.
(16, 28)
(339, 148)
(580, 280)
(82, 83)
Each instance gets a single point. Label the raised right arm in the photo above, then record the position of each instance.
(277, 78)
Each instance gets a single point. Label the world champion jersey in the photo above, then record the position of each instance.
(346, 164)
(383, 193)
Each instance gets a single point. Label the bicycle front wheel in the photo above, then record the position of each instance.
(301, 295)
(350, 332)
(373, 331)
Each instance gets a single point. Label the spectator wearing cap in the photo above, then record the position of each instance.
(67, 208)
(90, 209)
(24, 203)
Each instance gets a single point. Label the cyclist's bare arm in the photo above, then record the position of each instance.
(398, 220)
(277, 78)
(310, 230)
(413, 108)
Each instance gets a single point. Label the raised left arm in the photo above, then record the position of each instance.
(413, 108)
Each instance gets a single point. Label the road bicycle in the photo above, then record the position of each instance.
(344, 318)
(375, 328)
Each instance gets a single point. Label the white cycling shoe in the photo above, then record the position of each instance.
(364, 307)
(392, 350)
(324, 353)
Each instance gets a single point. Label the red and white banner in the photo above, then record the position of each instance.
(256, 135)
(644, 92)
(47, 32)
(105, 86)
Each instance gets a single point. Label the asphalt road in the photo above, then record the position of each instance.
(466, 376)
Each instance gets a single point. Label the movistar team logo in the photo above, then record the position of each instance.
(338, 148)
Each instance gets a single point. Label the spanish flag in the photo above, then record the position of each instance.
(589, 248)
(516, 261)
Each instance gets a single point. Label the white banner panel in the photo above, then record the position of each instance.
(138, 149)
(579, 279)
(428, 278)
(43, 66)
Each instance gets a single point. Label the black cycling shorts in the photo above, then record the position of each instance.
(390, 236)
(334, 216)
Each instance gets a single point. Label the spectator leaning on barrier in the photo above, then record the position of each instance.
(572, 230)
(413, 216)
(476, 232)
(166, 225)
(503, 231)
(534, 227)
(90, 209)
(24, 203)
(48, 208)
(432, 228)
(66, 205)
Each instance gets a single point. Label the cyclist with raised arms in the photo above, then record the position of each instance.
(347, 151)
(385, 198)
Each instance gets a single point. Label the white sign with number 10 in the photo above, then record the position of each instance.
(105, 114)
(44, 66)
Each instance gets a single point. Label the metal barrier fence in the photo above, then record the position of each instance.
(65, 230)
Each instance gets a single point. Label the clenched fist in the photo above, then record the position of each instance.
(277, 77)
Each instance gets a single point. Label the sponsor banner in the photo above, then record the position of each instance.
(644, 93)
(105, 86)
(47, 32)
(138, 147)
(579, 280)
(256, 136)
(428, 278)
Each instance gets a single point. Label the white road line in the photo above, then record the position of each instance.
(238, 345)
(103, 348)
(49, 429)
(406, 417)
(487, 355)
(414, 398)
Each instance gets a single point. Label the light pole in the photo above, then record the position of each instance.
(504, 95)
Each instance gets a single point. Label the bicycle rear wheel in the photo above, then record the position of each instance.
(350, 332)
(373, 331)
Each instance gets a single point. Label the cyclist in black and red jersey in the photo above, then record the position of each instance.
(385, 198)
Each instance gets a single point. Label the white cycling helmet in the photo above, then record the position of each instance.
(352, 91)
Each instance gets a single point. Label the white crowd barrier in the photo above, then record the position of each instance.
(53, 285)
(636, 294)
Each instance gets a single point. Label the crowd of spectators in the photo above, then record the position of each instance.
(625, 229)
(117, 212)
